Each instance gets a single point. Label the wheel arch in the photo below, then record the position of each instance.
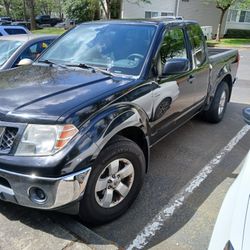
(137, 135)
(228, 79)
(132, 123)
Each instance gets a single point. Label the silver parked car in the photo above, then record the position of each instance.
(232, 228)
(6, 30)
(18, 50)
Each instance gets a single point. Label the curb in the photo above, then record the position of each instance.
(228, 47)
(83, 233)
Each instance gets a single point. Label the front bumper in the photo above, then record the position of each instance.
(20, 189)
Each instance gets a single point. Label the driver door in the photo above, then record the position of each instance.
(173, 96)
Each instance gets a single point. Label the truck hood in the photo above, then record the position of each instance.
(44, 93)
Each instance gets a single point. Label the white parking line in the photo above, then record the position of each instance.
(148, 232)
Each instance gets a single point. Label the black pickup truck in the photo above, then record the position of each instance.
(76, 126)
(47, 20)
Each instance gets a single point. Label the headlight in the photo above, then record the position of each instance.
(43, 140)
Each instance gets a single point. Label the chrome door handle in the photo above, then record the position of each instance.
(190, 79)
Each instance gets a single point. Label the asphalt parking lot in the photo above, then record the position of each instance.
(159, 218)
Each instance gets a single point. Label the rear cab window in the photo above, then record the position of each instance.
(197, 42)
(11, 31)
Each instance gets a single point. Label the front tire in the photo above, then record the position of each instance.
(114, 183)
(217, 109)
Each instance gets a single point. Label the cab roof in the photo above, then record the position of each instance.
(26, 37)
(156, 21)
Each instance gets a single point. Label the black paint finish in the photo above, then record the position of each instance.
(101, 106)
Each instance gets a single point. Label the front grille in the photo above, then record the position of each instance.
(7, 140)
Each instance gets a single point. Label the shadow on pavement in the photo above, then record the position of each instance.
(174, 162)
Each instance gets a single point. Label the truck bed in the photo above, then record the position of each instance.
(222, 60)
(216, 54)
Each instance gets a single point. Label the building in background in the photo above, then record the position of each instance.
(206, 14)
(156, 8)
(238, 19)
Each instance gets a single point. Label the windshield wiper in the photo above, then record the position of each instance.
(51, 63)
(94, 69)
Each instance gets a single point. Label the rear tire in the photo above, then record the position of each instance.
(102, 201)
(217, 109)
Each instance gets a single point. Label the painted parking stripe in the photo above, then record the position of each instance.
(149, 231)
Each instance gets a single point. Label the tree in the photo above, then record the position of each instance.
(107, 5)
(31, 9)
(223, 6)
(82, 10)
(7, 5)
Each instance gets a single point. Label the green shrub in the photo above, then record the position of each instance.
(81, 10)
(235, 33)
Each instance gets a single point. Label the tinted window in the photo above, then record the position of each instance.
(1, 34)
(198, 44)
(33, 51)
(119, 48)
(173, 45)
(15, 31)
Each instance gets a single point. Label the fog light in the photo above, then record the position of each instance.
(37, 195)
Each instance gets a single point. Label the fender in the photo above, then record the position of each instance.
(225, 72)
(103, 127)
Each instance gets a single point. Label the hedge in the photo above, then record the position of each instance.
(235, 33)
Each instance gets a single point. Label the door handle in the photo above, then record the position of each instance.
(190, 79)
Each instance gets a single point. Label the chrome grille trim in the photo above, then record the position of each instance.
(7, 139)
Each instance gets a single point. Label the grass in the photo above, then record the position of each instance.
(49, 31)
(230, 42)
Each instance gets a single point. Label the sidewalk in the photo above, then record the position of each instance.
(29, 229)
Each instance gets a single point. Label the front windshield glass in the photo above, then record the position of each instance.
(118, 48)
(7, 48)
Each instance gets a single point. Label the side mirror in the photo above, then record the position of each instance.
(246, 115)
(176, 66)
(25, 62)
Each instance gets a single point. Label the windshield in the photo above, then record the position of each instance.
(7, 48)
(118, 48)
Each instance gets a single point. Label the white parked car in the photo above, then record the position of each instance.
(13, 30)
(232, 228)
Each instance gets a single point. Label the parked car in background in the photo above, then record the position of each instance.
(67, 24)
(14, 50)
(47, 20)
(5, 20)
(78, 124)
(232, 228)
(22, 23)
(13, 30)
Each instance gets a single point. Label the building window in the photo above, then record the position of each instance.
(247, 19)
(167, 13)
(244, 16)
(232, 16)
(150, 14)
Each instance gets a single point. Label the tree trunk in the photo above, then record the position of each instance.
(31, 8)
(121, 9)
(220, 25)
(108, 3)
(104, 8)
(24, 11)
(7, 7)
